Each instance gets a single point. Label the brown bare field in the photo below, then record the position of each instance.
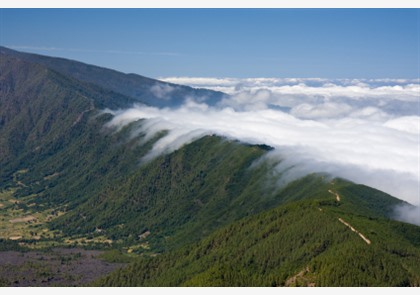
(23, 219)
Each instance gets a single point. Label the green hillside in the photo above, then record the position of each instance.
(55, 150)
(211, 213)
(184, 196)
(139, 88)
(299, 244)
(51, 129)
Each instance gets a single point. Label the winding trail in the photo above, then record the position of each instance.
(355, 230)
(337, 196)
(290, 282)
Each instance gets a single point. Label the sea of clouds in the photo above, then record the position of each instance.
(364, 130)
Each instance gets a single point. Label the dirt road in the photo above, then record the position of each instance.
(355, 230)
(337, 196)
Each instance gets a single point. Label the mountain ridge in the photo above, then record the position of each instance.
(297, 244)
(207, 214)
(143, 89)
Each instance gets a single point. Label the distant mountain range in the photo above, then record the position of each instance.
(204, 215)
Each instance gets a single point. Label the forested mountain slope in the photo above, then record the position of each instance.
(51, 126)
(303, 243)
(184, 196)
(139, 88)
(211, 213)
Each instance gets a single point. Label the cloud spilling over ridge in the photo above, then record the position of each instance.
(370, 138)
(408, 213)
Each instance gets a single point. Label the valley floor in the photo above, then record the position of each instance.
(58, 267)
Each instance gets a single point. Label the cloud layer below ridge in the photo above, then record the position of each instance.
(364, 130)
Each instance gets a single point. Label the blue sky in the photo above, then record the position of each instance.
(328, 43)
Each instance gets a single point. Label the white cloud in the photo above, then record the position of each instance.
(201, 81)
(408, 213)
(162, 91)
(324, 110)
(291, 92)
(410, 124)
(352, 131)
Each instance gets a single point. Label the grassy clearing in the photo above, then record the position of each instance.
(136, 248)
(83, 241)
(20, 221)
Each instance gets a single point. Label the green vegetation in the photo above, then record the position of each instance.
(117, 256)
(209, 214)
(294, 244)
(138, 88)
(54, 150)
(194, 188)
(182, 197)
